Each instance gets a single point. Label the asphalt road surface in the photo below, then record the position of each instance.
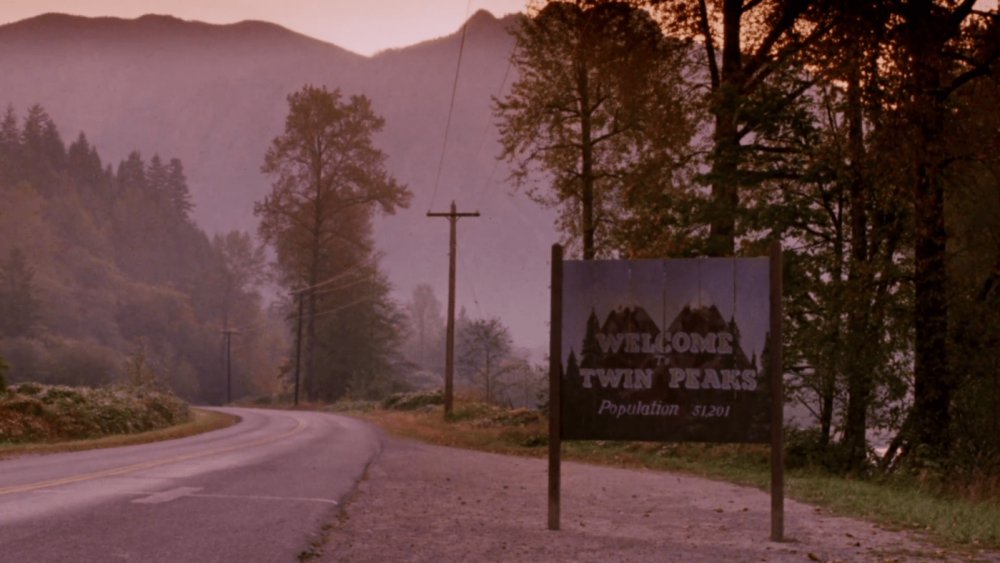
(260, 490)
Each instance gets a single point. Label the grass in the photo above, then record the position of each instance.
(895, 503)
(201, 421)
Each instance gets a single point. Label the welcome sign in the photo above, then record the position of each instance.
(666, 350)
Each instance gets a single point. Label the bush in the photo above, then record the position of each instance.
(413, 401)
(4, 368)
(804, 450)
(353, 405)
(35, 412)
(29, 389)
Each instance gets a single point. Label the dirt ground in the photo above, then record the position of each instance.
(431, 503)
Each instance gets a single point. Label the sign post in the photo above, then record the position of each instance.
(685, 350)
(777, 400)
(555, 380)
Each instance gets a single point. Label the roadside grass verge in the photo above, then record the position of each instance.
(895, 502)
(37, 418)
(201, 421)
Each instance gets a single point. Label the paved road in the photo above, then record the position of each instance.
(258, 491)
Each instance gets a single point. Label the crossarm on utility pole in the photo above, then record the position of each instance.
(449, 365)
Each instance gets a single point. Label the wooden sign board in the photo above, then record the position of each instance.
(666, 350)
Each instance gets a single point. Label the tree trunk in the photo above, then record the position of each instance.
(829, 391)
(726, 149)
(314, 256)
(858, 364)
(587, 159)
(933, 383)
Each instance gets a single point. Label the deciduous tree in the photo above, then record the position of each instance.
(749, 47)
(328, 178)
(484, 355)
(599, 106)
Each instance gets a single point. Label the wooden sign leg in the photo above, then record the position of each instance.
(555, 376)
(777, 401)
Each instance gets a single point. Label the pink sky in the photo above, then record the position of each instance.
(364, 26)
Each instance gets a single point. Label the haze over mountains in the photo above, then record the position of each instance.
(215, 96)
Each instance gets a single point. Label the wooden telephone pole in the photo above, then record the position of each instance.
(229, 363)
(449, 362)
(298, 346)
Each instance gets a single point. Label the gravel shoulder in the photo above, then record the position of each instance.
(430, 503)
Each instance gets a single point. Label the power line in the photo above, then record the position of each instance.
(451, 104)
(342, 307)
(347, 285)
(482, 142)
(350, 270)
(472, 284)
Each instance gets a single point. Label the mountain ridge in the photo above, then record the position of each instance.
(217, 103)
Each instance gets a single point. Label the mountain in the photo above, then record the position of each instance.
(708, 320)
(215, 96)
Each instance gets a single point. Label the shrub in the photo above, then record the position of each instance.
(413, 401)
(29, 389)
(4, 368)
(35, 412)
(804, 449)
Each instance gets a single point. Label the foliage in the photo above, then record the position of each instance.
(42, 413)
(864, 137)
(241, 271)
(19, 308)
(484, 356)
(139, 373)
(412, 401)
(598, 109)
(95, 258)
(4, 368)
(810, 449)
(328, 180)
(754, 60)
(426, 329)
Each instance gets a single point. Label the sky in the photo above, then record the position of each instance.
(365, 26)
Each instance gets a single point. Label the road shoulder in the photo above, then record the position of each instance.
(422, 503)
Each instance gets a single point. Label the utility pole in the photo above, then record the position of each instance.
(298, 347)
(229, 364)
(449, 362)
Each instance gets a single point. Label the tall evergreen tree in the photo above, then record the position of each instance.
(19, 308)
(42, 148)
(10, 147)
(328, 180)
(176, 188)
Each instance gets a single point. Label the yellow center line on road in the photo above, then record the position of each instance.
(114, 472)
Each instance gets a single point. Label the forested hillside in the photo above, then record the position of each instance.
(863, 137)
(104, 276)
(214, 96)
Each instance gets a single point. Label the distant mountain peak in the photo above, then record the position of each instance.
(481, 16)
(67, 31)
(159, 18)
